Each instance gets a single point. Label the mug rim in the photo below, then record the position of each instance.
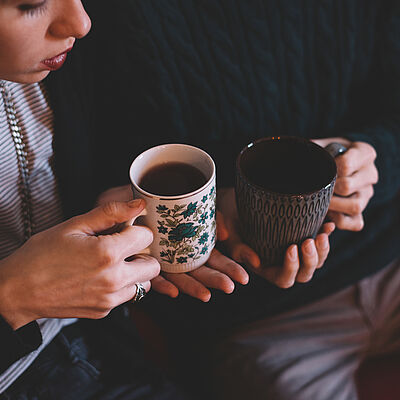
(175, 197)
(239, 170)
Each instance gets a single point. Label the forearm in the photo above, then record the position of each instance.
(377, 120)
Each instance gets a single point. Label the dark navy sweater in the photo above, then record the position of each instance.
(219, 74)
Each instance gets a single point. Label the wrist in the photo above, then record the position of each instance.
(10, 310)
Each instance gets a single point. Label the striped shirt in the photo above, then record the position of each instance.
(36, 122)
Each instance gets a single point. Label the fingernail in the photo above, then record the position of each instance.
(325, 243)
(206, 298)
(293, 252)
(135, 203)
(285, 284)
(230, 289)
(308, 248)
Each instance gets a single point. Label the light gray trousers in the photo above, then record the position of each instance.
(312, 353)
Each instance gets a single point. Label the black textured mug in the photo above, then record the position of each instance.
(283, 189)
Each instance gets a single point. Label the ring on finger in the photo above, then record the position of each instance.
(140, 293)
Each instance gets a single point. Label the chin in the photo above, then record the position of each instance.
(27, 78)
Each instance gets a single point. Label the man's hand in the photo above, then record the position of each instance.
(299, 263)
(354, 185)
(220, 272)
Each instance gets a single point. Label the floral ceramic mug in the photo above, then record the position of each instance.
(184, 225)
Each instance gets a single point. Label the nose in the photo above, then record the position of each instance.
(71, 20)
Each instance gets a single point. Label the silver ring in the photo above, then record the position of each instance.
(335, 149)
(140, 293)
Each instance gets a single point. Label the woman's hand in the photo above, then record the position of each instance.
(73, 270)
(220, 272)
(354, 185)
(299, 263)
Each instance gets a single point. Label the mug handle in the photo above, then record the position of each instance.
(142, 213)
(335, 149)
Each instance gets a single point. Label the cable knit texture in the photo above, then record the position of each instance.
(221, 73)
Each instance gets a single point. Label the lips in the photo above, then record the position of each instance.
(56, 62)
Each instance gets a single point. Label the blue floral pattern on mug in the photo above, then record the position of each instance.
(188, 230)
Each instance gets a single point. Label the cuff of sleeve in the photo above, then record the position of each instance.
(21, 341)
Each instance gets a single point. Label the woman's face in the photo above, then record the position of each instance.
(35, 36)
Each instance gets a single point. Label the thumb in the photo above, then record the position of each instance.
(108, 215)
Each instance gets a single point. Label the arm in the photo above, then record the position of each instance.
(372, 136)
(377, 120)
(220, 272)
(73, 270)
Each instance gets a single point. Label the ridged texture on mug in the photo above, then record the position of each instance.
(271, 222)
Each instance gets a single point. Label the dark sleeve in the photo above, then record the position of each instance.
(16, 344)
(383, 131)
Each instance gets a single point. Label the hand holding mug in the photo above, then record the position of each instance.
(283, 189)
(220, 272)
(300, 262)
(356, 175)
(74, 271)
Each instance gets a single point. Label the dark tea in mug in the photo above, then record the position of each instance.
(283, 189)
(172, 179)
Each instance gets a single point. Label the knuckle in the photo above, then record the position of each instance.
(155, 267)
(372, 151)
(339, 220)
(105, 255)
(346, 166)
(149, 234)
(110, 283)
(152, 265)
(142, 233)
(344, 186)
(356, 208)
(223, 281)
(105, 259)
(110, 208)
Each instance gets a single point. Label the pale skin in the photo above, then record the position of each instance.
(34, 30)
(354, 188)
(357, 174)
(74, 269)
(220, 272)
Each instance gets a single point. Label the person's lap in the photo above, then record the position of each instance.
(99, 360)
(314, 351)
